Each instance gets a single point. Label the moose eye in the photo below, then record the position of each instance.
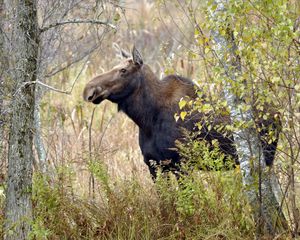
(123, 70)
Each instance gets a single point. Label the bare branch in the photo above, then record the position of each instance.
(91, 21)
(68, 92)
(53, 88)
(56, 71)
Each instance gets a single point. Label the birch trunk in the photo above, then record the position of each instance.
(267, 211)
(23, 56)
(38, 139)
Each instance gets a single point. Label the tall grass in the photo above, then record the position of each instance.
(200, 206)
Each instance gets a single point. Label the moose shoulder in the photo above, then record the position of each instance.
(151, 103)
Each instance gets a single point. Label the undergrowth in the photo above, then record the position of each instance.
(201, 205)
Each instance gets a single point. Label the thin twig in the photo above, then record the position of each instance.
(91, 179)
(56, 71)
(68, 92)
(91, 21)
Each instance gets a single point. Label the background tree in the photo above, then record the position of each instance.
(70, 32)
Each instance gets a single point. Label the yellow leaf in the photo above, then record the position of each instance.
(265, 117)
(214, 142)
(182, 103)
(182, 115)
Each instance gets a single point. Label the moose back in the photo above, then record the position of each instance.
(151, 103)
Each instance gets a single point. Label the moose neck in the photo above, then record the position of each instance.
(142, 106)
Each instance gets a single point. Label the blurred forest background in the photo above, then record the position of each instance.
(89, 178)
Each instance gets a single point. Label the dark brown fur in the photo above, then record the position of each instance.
(151, 103)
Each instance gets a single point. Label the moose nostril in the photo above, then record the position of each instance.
(91, 95)
(90, 98)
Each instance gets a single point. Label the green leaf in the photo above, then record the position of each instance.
(117, 17)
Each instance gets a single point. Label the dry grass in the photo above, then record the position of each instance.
(101, 188)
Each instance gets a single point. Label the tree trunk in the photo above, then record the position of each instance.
(267, 211)
(38, 139)
(2, 58)
(23, 55)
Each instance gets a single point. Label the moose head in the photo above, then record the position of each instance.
(118, 83)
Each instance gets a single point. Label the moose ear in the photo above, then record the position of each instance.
(121, 53)
(136, 56)
(124, 54)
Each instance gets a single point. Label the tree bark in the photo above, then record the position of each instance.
(267, 211)
(2, 59)
(23, 66)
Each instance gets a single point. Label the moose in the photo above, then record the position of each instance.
(151, 103)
